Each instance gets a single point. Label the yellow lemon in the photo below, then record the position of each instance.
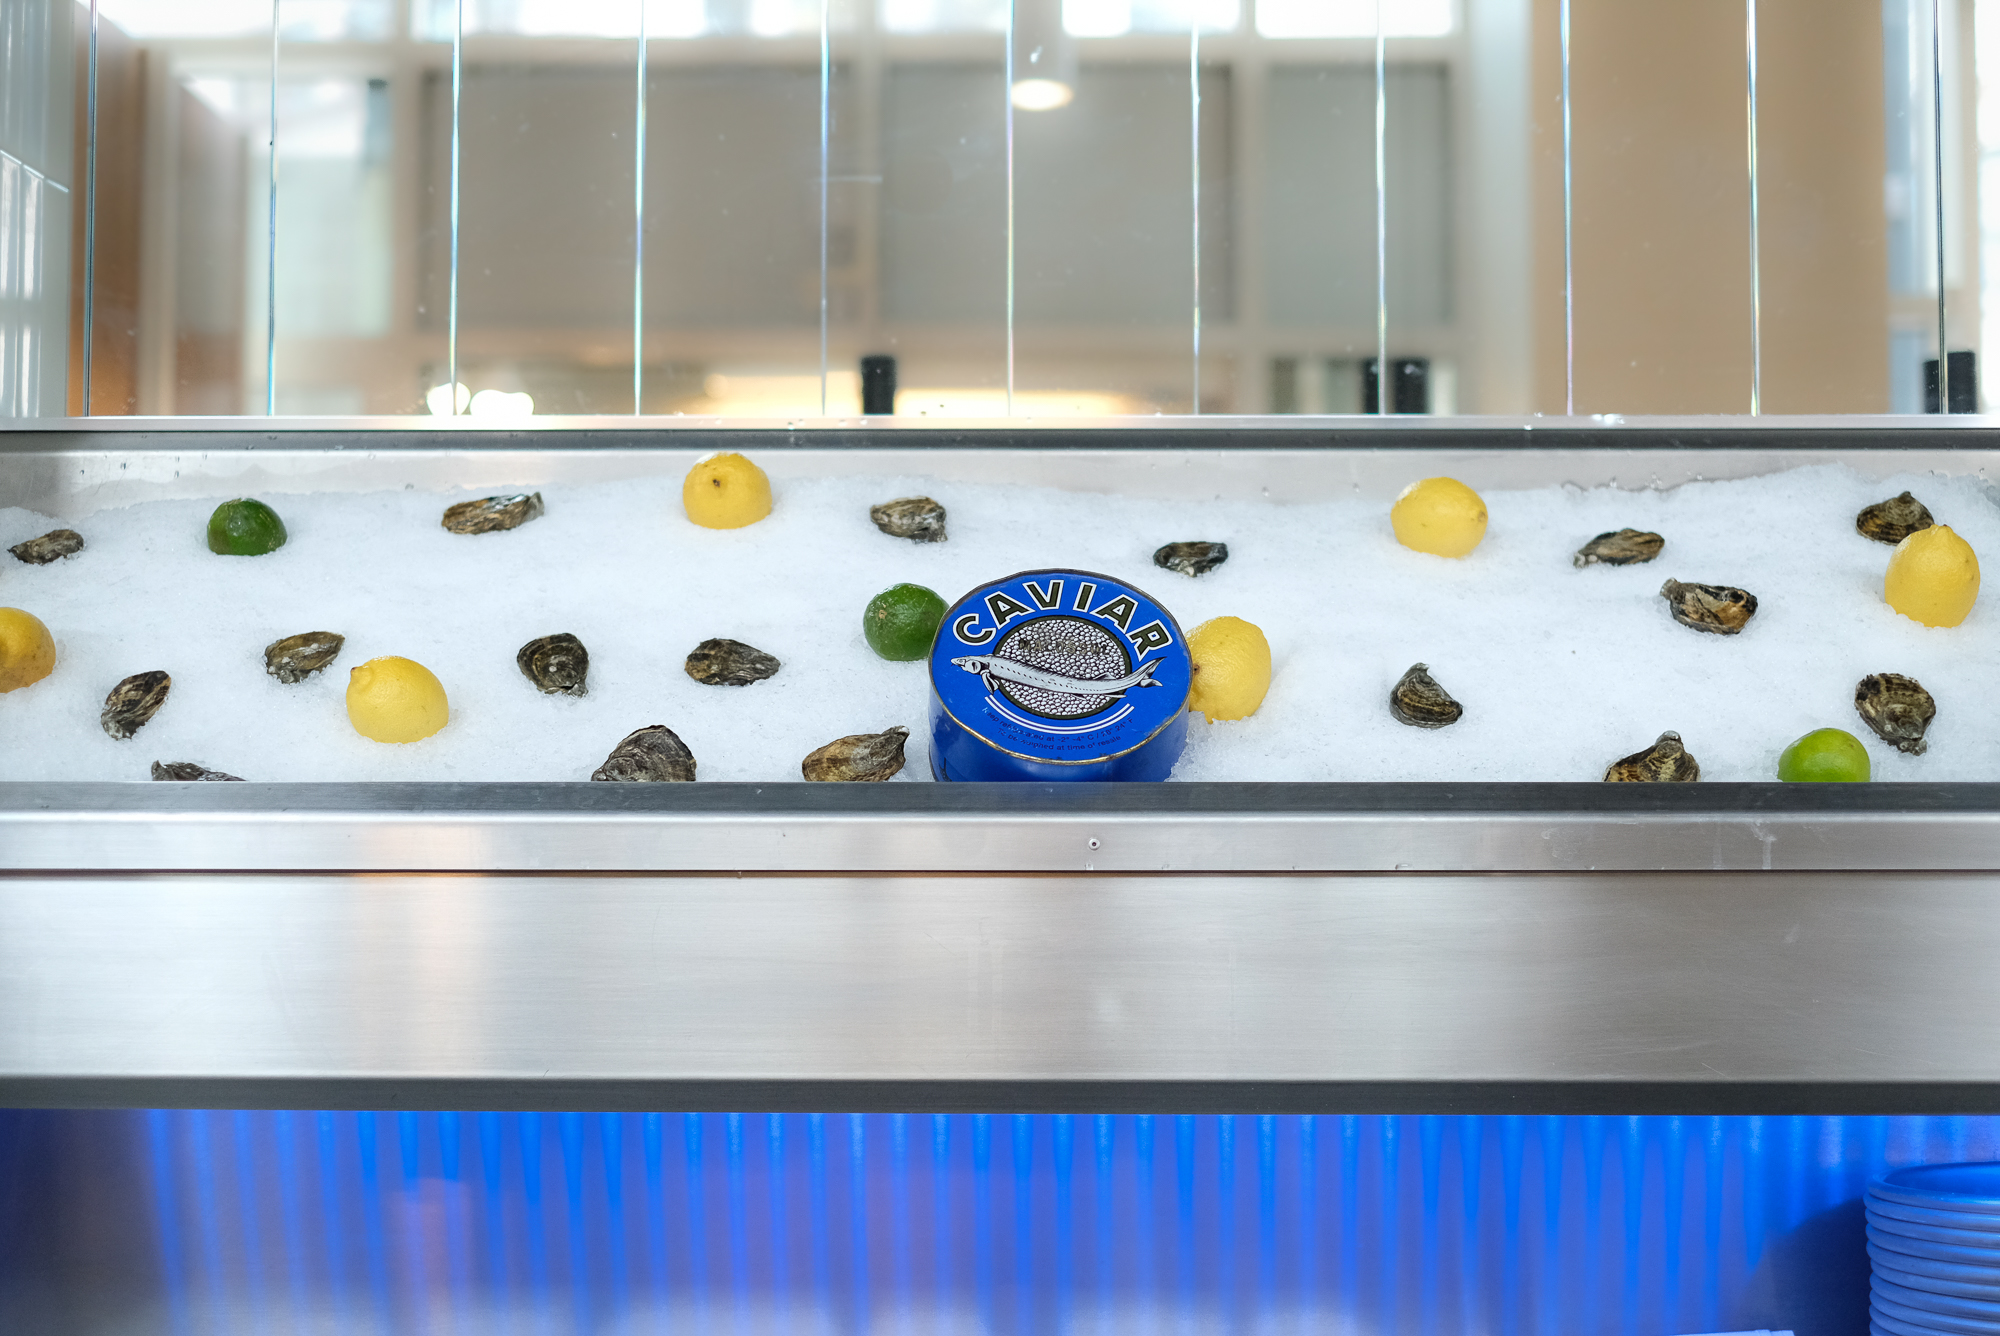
(27, 650)
(1441, 516)
(396, 700)
(1933, 577)
(726, 491)
(1232, 668)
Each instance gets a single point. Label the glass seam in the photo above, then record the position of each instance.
(638, 227)
(1937, 192)
(1382, 377)
(1569, 229)
(90, 214)
(825, 171)
(1194, 178)
(1756, 270)
(451, 307)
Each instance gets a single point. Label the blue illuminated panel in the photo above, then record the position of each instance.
(727, 1225)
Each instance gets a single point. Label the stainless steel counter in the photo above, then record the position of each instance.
(1724, 948)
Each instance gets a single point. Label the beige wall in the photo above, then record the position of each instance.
(1663, 313)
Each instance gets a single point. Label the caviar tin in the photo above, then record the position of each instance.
(1058, 675)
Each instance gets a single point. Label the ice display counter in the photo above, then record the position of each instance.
(1768, 991)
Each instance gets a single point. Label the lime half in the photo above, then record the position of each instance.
(1825, 756)
(245, 528)
(901, 621)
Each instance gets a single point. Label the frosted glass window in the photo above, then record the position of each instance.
(1354, 18)
(620, 18)
(944, 15)
(299, 20)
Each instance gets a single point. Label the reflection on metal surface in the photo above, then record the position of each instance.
(125, 988)
(751, 1223)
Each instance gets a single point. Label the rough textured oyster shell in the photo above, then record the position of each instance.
(729, 663)
(557, 664)
(188, 770)
(1893, 520)
(51, 546)
(1897, 708)
(859, 756)
(1191, 558)
(1418, 700)
(654, 754)
(492, 513)
(917, 518)
(1622, 547)
(298, 657)
(1665, 762)
(1719, 609)
(133, 702)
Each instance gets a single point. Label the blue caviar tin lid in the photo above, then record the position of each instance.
(1058, 675)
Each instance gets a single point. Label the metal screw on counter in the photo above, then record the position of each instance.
(1411, 377)
(1964, 383)
(878, 386)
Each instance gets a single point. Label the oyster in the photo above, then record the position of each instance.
(1719, 609)
(1897, 708)
(917, 518)
(1893, 520)
(556, 664)
(295, 658)
(859, 756)
(654, 754)
(51, 546)
(188, 770)
(490, 514)
(1625, 547)
(729, 663)
(1665, 762)
(1420, 701)
(1191, 558)
(133, 702)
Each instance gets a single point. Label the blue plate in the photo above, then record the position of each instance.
(1885, 1266)
(1957, 1187)
(1983, 1258)
(1922, 1215)
(1931, 1266)
(1926, 1301)
(1923, 1322)
(1958, 1238)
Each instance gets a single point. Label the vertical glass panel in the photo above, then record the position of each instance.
(1318, 206)
(207, 328)
(943, 233)
(1104, 215)
(545, 223)
(302, 21)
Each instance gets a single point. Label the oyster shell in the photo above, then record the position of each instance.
(1893, 520)
(490, 514)
(1897, 708)
(859, 756)
(295, 658)
(917, 518)
(654, 754)
(188, 770)
(1665, 762)
(1191, 558)
(556, 664)
(1418, 700)
(1623, 547)
(133, 702)
(729, 663)
(51, 546)
(1719, 609)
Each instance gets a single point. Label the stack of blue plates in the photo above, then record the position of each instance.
(1934, 1251)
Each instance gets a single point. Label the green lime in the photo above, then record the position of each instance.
(1825, 756)
(901, 621)
(245, 528)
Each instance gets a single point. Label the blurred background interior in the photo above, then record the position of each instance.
(858, 160)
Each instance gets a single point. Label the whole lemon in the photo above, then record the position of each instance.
(1933, 577)
(1441, 516)
(396, 700)
(1232, 668)
(27, 650)
(726, 491)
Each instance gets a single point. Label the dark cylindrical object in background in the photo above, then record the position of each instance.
(1412, 392)
(878, 385)
(1964, 383)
